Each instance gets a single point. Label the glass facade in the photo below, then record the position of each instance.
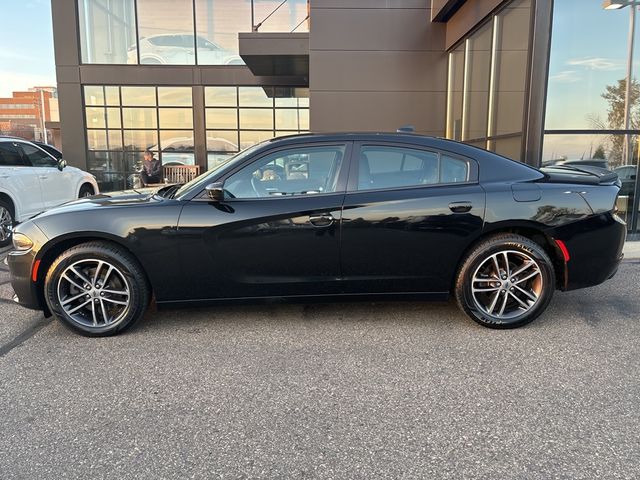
(178, 32)
(487, 82)
(238, 117)
(585, 118)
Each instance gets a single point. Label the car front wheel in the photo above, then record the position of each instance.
(97, 289)
(506, 281)
(6, 223)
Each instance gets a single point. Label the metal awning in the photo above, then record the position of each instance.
(276, 54)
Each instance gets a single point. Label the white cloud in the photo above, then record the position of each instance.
(597, 63)
(566, 76)
(12, 81)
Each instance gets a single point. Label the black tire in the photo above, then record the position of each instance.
(542, 285)
(86, 191)
(126, 270)
(7, 220)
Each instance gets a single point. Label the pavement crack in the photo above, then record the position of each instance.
(25, 335)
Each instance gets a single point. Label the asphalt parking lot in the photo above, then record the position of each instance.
(356, 390)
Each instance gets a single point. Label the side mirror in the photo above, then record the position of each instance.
(61, 164)
(215, 191)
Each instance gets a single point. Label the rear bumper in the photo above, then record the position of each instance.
(595, 247)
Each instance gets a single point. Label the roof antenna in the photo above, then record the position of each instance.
(406, 129)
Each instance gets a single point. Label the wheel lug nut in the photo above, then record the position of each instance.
(87, 296)
(102, 294)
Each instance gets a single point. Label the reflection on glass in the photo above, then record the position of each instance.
(114, 138)
(256, 118)
(477, 98)
(222, 118)
(177, 158)
(303, 117)
(113, 118)
(291, 16)
(287, 119)
(174, 96)
(249, 138)
(93, 95)
(140, 139)
(166, 32)
(107, 31)
(96, 139)
(112, 95)
(139, 118)
(254, 97)
(95, 117)
(176, 140)
(176, 118)
(510, 147)
(138, 96)
(222, 141)
(220, 96)
(215, 160)
(218, 23)
(455, 87)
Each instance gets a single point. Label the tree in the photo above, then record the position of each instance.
(615, 95)
(599, 153)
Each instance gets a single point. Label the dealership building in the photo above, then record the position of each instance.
(196, 81)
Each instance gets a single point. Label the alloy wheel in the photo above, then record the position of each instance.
(94, 293)
(507, 284)
(6, 224)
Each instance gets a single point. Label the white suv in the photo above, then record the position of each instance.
(31, 180)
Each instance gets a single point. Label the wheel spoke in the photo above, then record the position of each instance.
(117, 302)
(104, 312)
(492, 289)
(73, 282)
(93, 314)
(79, 275)
(526, 266)
(524, 304)
(524, 279)
(496, 265)
(493, 303)
(78, 307)
(533, 297)
(504, 304)
(506, 263)
(96, 274)
(106, 277)
(116, 292)
(67, 301)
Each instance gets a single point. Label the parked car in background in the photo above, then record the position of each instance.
(180, 49)
(32, 180)
(338, 215)
(627, 175)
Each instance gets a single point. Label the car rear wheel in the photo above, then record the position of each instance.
(86, 191)
(6, 223)
(97, 289)
(506, 281)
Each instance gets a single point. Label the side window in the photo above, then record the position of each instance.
(296, 171)
(37, 157)
(10, 155)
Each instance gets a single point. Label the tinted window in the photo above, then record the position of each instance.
(37, 157)
(9, 155)
(299, 171)
(395, 167)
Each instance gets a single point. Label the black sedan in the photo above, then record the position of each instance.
(335, 215)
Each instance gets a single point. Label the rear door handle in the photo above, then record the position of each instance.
(44, 177)
(460, 207)
(321, 220)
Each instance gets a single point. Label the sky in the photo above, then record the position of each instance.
(26, 49)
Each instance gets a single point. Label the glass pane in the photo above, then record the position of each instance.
(175, 96)
(254, 97)
(255, 118)
(218, 23)
(455, 87)
(112, 95)
(291, 97)
(176, 141)
(508, 147)
(141, 139)
(215, 160)
(222, 118)
(176, 118)
(139, 96)
(392, 167)
(477, 96)
(166, 32)
(177, 158)
(287, 119)
(95, 117)
(304, 119)
(115, 139)
(587, 70)
(222, 141)
(93, 95)
(249, 138)
(139, 118)
(220, 96)
(285, 19)
(107, 31)
(96, 139)
(113, 118)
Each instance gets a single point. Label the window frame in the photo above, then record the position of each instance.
(352, 187)
(341, 185)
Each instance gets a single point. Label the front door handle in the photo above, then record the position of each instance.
(321, 220)
(460, 207)
(44, 177)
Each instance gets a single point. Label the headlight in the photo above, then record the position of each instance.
(21, 242)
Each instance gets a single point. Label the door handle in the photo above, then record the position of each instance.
(321, 220)
(4, 176)
(460, 207)
(44, 177)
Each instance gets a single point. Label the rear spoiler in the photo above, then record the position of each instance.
(583, 174)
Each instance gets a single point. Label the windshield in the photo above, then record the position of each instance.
(203, 179)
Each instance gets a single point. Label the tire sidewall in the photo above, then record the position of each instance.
(71, 257)
(479, 256)
(4, 243)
